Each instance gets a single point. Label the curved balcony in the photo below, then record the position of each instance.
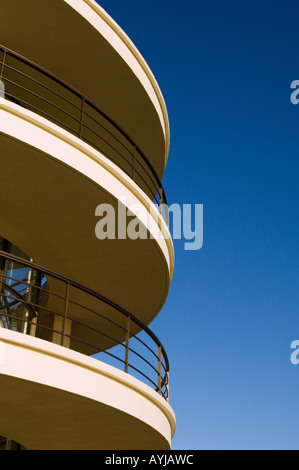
(38, 90)
(43, 304)
(53, 184)
(80, 43)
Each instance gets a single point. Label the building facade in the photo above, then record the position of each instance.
(84, 142)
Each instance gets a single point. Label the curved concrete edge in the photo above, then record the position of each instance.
(51, 139)
(108, 28)
(35, 360)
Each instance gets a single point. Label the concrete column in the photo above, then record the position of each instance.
(2, 89)
(64, 326)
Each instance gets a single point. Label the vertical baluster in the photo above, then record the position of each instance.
(134, 163)
(159, 370)
(28, 294)
(2, 86)
(167, 387)
(35, 300)
(160, 200)
(127, 344)
(65, 320)
(81, 118)
(62, 325)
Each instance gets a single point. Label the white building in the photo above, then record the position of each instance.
(82, 123)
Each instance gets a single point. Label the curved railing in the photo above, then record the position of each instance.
(65, 312)
(36, 89)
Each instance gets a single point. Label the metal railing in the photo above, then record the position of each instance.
(38, 90)
(65, 312)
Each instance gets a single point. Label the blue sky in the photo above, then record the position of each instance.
(225, 70)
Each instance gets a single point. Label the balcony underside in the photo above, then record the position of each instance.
(84, 47)
(48, 210)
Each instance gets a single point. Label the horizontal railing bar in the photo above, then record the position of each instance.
(143, 358)
(147, 174)
(53, 330)
(154, 354)
(18, 282)
(77, 133)
(144, 375)
(81, 323)
(93, 293)
(74, 338)
(78, 322)
(40, 69)
(26, 302)
(65, 126)
(144, 344)
(40, 98)
(88, 309)
(109, 132)
(84, 126)
(92, 328)
(130, 164)
(62, 83)
(122, 144)
(29, 322)
(20, 298)
(30, 284)
(59, 314)
(39, 83)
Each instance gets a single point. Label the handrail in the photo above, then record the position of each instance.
(161, 377)
(19, 298)
(141, 169)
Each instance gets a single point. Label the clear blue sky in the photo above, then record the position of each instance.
(225, 69)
